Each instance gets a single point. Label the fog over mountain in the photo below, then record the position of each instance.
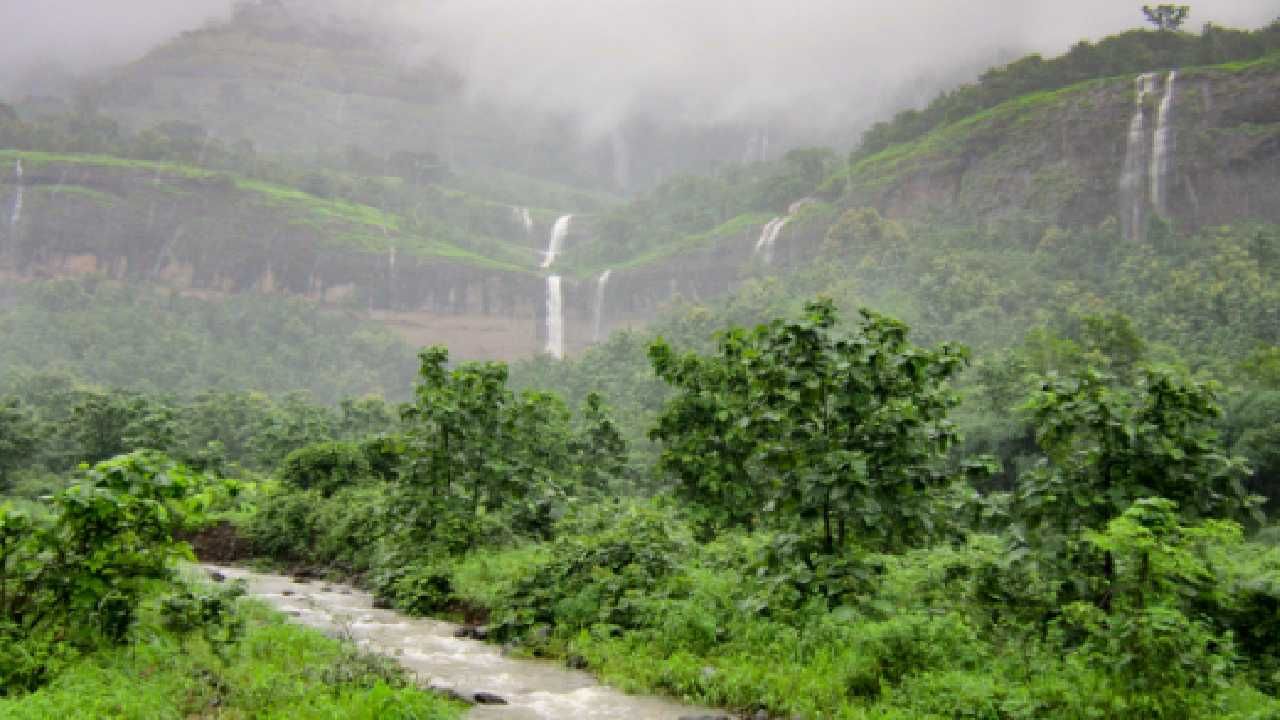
(811, 64)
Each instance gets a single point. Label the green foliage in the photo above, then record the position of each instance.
(124, 336)
(1166, 17)
(1106, 447)
(78, 573)
(211, 612)
(1164, 660)
(806, 423)
(599, 573)
(1125, 54)
(18, 438)
(475, 447)
(277, 670)
(325, 467)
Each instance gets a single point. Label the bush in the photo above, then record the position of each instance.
(325, 467)
(604, 566)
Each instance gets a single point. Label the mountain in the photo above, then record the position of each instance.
(281, 77)
(451, 250)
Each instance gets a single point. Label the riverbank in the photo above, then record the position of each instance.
(276, 670)
(502, 686)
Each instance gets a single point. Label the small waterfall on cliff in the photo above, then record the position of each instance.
(1133, 181)
(16, 215)
(524, 218)
(556, 241)
(391, 278)
(555, 318)
(1161, 147)
(597, 315)
(768, 237)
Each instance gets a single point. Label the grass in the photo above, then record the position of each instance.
(277, 671)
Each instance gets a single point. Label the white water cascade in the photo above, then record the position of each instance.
(597, 319)
(556, 241)
(768, 238)
(1133, 183)
(524, 218)
(391, 278)
(16, 215)
(1161, 148)
(555, 318)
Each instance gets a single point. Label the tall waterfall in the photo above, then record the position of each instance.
(16, 215)
(555, 318)
(597, 314)
(768, 237)
(1133, 183)
(1161, 148)
(524, 218)
(556, 241)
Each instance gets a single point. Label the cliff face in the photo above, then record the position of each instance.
(1061, 156)
(1052, 158)
(207, 233)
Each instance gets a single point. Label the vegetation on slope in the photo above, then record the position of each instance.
(140, 338)
(1130, 53)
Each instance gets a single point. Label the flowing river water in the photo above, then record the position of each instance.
(533, 689)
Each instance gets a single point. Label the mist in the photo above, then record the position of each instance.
(812, 64)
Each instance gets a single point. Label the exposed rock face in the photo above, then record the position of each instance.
(1054, 158)
(205, 234)
(1060, 156)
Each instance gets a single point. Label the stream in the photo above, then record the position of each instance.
(533, 689)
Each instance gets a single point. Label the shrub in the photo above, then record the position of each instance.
(325, 467)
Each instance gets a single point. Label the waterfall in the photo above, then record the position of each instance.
(391, 278)
(1160, 149)
(16, 215)
(555, 318)
(558, 233)
(769, 236)
(1133, 182)
(598, 311)
(524, 218)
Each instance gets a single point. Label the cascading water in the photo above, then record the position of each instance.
(598, 311)
(391, 278)
(16, 216)
(1133, 182)
(556, 241)
(431, 650)
(555, 318)
(524, 218)
(1161, 148)
(768, 237)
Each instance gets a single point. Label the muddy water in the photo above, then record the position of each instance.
(534, 690)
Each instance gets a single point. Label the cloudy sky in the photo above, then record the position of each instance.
(718, 59)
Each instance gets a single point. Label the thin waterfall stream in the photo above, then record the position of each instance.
(556, 242)
(555, 299)
(1133, 183)
(1162, 148)
(531, 689)
(16, 215)
(555, 318)
(597, 319)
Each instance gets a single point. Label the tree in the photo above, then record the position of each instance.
(18, 437)
(802, 425)
(1106, 447)
(1166, 17)
(473, 446)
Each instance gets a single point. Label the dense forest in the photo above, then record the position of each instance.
(1008, 461)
